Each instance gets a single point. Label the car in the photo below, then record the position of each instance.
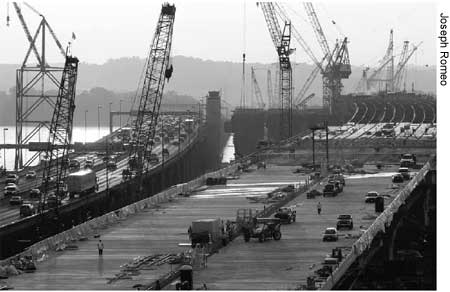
(265, 228)
(408, 160)
(286, 215)
(344, 221)
(74, 165)
(27, 209)
(312, 194)
(165, 152)
(404, 171)
(371, 197)
(111, 165)
(35, 193)
(175, 143)
(12, 178)
(16, 200)
(330, 190)
(89, 163)
(330, 234)
(31, 174)
(397, 178)
(11, 190)
(52, 200)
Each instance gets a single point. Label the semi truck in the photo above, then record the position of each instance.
(81, 182)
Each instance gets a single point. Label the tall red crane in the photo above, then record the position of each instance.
(157, 70)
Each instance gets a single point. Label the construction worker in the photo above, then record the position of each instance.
(319, 208)
(100, 247)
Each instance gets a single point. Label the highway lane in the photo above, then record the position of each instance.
(9, 214)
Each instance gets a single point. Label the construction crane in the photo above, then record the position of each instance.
(400, 73)
(257, 90)
(157, 71)
(281, 12)
(282, 43)
(269, 89)
(337, 63)
(304, 102)
(388, 63)
(60, 136)
(338, 68)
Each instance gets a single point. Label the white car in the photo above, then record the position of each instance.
(330, 234)
(11, 190)
(31, 175)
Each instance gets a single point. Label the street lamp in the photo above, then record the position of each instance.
(98, 118)
(4, 149)
(85, 125)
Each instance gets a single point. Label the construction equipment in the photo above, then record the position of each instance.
(157, 71)
(270, 96)
(401, 72)
(337, 66)
(34, 84)
(388, 63)
(257, 91)
(282, 43)
(55, 170)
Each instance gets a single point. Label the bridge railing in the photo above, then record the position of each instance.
(379, 225)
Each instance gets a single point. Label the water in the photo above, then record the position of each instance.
(228, 151)
(79, 134)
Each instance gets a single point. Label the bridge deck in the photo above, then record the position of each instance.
(156, 231)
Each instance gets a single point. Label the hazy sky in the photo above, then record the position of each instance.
(215, 29)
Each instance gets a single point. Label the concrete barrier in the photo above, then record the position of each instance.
(379, 225)
(42, 249)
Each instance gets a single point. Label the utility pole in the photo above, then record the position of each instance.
(179, 133)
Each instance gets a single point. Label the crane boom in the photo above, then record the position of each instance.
(272, 22)
(302, 104)
(156, 72)
(403, 64)
(27, 31)
(60, 136)
(320, 35)
(257, 90)
(297, 36)
(269, 88)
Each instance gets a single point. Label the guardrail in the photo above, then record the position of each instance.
(380, 224)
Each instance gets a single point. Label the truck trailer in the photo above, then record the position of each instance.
(81, 182)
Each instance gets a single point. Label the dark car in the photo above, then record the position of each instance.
(286, 215)
(404, 171)
(312, 194)
(330, 190)
(111, 165)
(371, 197)
(397, 178)
(35, 193)
(16, 200)
(344, 221)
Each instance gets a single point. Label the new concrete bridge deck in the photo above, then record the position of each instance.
(271, 265)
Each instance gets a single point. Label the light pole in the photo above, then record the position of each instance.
(120, 113)
(85, 125)
(4, 149)
(98, 118)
